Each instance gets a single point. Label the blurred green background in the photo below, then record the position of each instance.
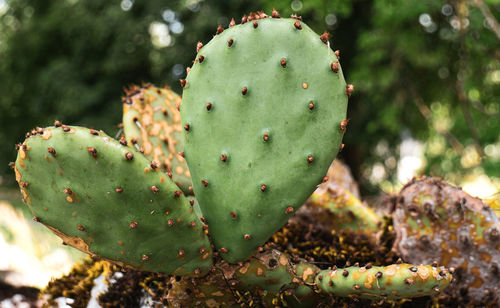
(426, 73)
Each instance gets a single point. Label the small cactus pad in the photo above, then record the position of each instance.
(152, 122)
(264, 108)
(435, 221)
(391, 282)
(105, 199)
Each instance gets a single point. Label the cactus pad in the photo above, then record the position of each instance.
(152, 122)
(391, 282)
(263, 106)
(105, 199)
(435, 221)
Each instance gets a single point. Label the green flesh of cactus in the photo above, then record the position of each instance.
(152, 122)
(105, 199)
(392, 282)
(263, 108)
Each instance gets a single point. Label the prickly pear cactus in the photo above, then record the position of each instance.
(152, 122)
(262, 112)
(435, 221)
(108, 200)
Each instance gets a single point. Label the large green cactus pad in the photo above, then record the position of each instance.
(105, 199)
(262, 110)
(152, 122)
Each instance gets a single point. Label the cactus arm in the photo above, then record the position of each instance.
(395, 281)
(392, 282)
